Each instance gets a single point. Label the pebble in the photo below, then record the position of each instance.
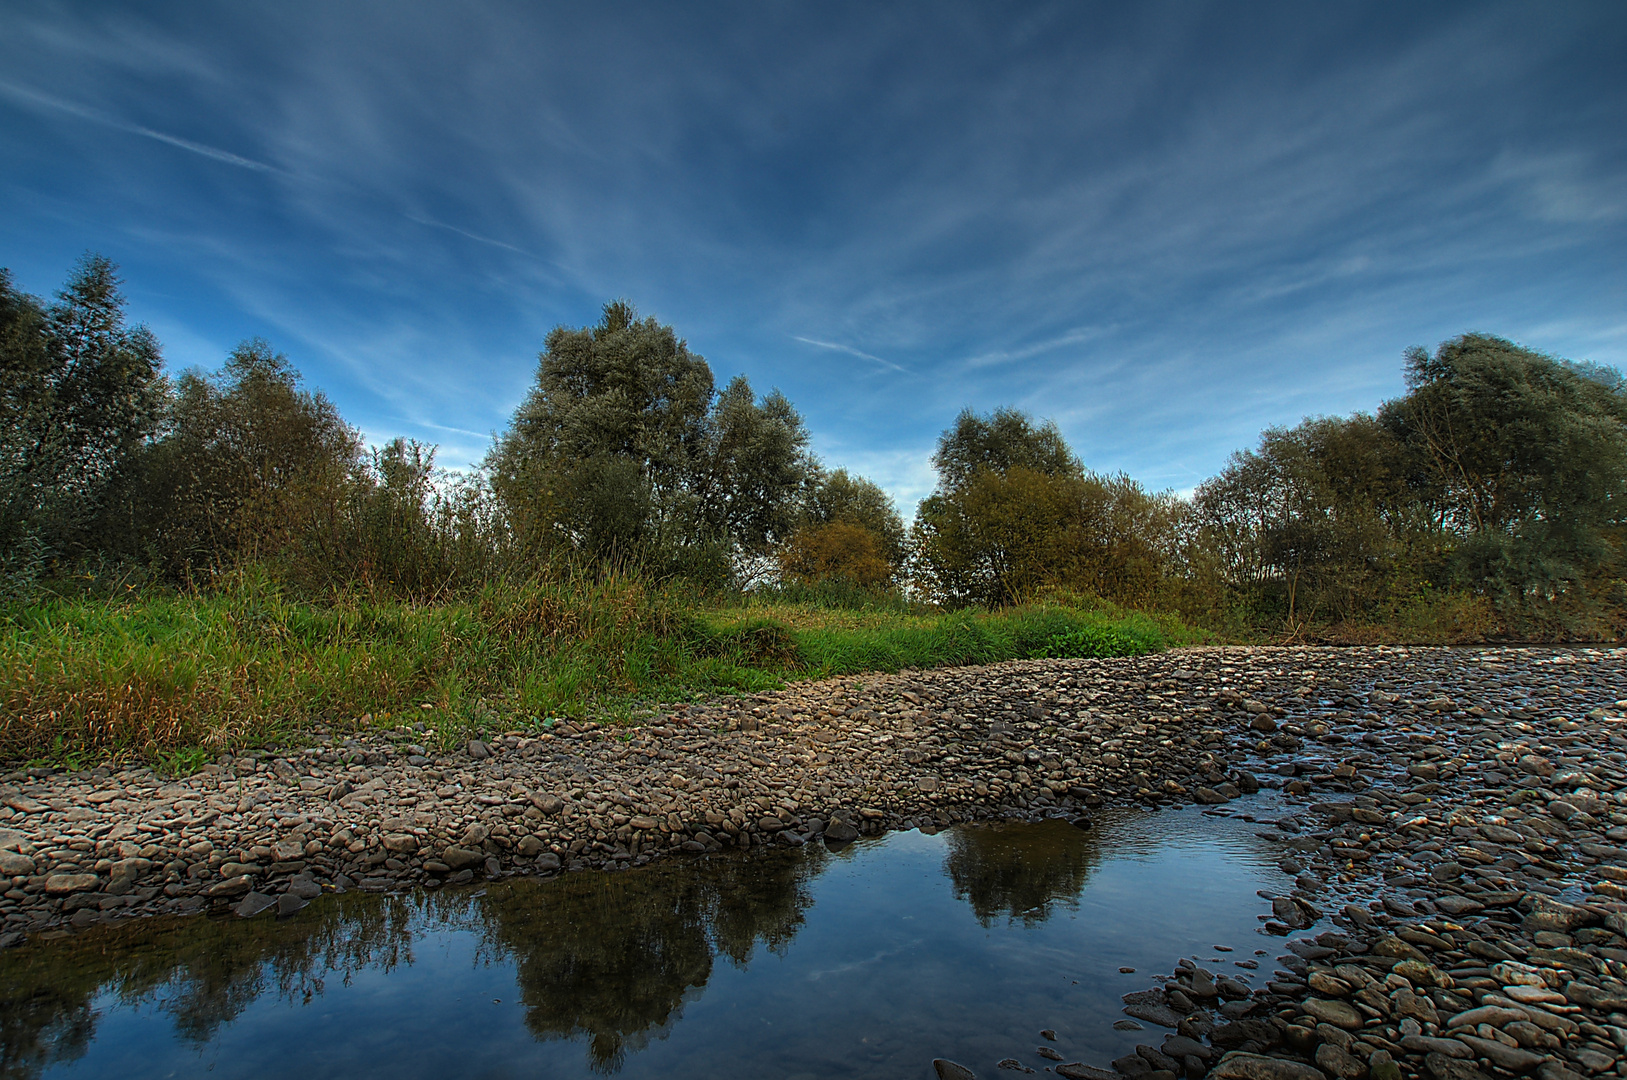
(1454, 824)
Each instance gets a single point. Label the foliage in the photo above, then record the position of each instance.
(624, 453)
(79, 393)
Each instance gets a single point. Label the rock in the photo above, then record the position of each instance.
(1428, 1044)
(68, 884)
(234, 886)
(401, 843)
(950, 1070)
(547, 861)
(478, 749)
(1549, 914)
(1382, 1066)
(1339, 1062)
(289, 903)
(1504, 1057)
(1458, 905)
(1179, 1046)
(1239, 1066)
(252, 904)
(1131, 1065)
(1076, 1071)
(1443, 1067)
(643, 822)
(304, 888)
(1209, 796)
(15, 865)
(1162, 1015)
(1338, 1013)
(528, 847)
(461, 858)
(841, 832)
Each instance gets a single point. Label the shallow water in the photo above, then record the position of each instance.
(869, 961)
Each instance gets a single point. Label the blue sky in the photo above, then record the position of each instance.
(1163, 226)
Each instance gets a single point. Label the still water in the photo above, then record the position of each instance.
(868, 961)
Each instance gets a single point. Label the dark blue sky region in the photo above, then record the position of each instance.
(1164, 226)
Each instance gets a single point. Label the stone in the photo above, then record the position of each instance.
(252, 904)
(1339, 1062)
(462, 858)
(478, 749)
(1240, 1066)
(68, 884)
(304, 888)
(1338, 1013)
(1443, 1067)
(840, 832)
(401, 843)
(1209, 796)
(15, 865)
(1504, 1057)
(528, 847)
(951, 1070)
(235, 886)
(548, 861)
(1077, 1071)
(1382, 1066)
(289, 903)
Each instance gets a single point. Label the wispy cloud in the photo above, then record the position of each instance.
(85, 112)
(851, 351)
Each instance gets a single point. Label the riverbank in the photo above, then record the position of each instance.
(1461, 815)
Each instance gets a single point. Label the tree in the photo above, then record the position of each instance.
(1003, 440)
(1015, 513)
(83, 392)
(250, 466)
(625, 451)
(854, 500)
(1525, 459)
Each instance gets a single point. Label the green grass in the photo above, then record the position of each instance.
(174, 677)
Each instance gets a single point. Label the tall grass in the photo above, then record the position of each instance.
(155, 671)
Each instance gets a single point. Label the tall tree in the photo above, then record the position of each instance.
(83, 392)
(625, 450)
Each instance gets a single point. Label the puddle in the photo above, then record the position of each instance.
(804, 964)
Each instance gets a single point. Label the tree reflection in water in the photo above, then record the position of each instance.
(611, 957)
(203, 973)
(1021, 871)
(615, 956)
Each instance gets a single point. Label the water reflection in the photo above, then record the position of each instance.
(614, 956)
(865, 962)
(201, 974)
(1021, 871)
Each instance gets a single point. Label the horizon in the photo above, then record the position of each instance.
(1166, 230)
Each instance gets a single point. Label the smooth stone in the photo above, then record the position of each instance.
(462, 858)
(288, 903)
(305, 888)
(1445, 1068)
(252, 904)
(68, 884)
(951, 1070)
(1338, 1013)
(1239, 1066)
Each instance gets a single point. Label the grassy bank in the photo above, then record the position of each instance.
(179, 676)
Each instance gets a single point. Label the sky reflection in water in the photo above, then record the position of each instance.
(869, 961)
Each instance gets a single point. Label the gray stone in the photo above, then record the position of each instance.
(252, 904)
(68, 884)
(289, 903)
(462, 858)
(15, 865)
(1443, 1067)
(950, 1070)
(1239, 1066)
(841, 832)
(547, 861)
(1339, 1062)
(1340, 1014)
(304, 888)
(478, 749)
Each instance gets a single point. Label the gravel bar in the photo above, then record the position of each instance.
(1455, 817)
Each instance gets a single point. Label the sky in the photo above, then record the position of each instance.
(1163, 226)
